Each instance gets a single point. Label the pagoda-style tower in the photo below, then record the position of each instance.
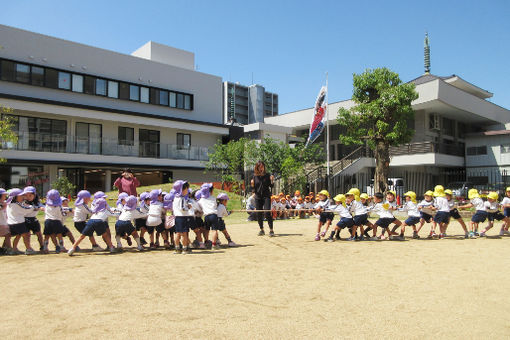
(426, 49)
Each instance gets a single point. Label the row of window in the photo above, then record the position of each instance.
(63, 80)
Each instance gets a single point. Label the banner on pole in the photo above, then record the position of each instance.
(319, 116)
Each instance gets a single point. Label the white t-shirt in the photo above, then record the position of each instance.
(181, 208)
(154, 214)
(53, 213)
(478, 203)
(342, 211)
(3, 214)
(130, 215)
(491, 207)
(222, 211)
(81, 213)
(359, 208)
(324, 205)
(208, 205)
(426, 206)
(441, 204)
(103, 215)
(505, 201)
(383, 213)
(411, 208)
(16, 212)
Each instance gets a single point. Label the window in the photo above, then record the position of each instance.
(448, 127)
(180, 101)
(134, 92)
(64, 80)
(22, 73)
(183, 140)
(126, 136)
(173, 99)
(41, 134)
(113, 89)
(163, 98)
(90, 85)
(144, 94)
(434, 121)
(149, 143)
(51, 78)
(77, 83)
(88, 138)
(8, 70)
(37, 76)
(101, 87)
(477, 150)
(154, 96)
(123, 90)
(187, 102)
(505, 148)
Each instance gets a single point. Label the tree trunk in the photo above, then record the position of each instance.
(382, 165)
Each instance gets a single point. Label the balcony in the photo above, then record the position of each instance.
(427, 147)
(42, 142)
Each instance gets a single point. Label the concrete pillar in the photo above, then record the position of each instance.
(108, 180)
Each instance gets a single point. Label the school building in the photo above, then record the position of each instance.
(86, 112)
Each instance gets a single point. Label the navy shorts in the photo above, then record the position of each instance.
(18, 229)
(211, 222)
(385, 221)
(140, 223)
(442, 217)
(495, 216)
(326, 216)
(65, 230)
(479, 216)
(507, 212)
(160, 227)
(454, 213)
(150, 229)
(171, 230)
(32, 224)
(199, 223)
(183, 223)
(361, 219)
(124, 228)
(412, 220)
(345, 222)
(426, 217)
(53, 227)
(96, 225)
(80, 225)
(221, 224)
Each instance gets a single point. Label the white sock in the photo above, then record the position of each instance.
(138, 241)
(119, 245)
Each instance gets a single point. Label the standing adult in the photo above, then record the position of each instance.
(127, 183)
(262, 184)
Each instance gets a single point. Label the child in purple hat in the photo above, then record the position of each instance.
(32, 223)
(222, 212)
(140, 223)
(124, 225)
(82, 213)
(183, 216)
(4, 227)
(168, 201)
(198, 225)
(155, 220)
(16, 212)
(66, 211)
(53, 227)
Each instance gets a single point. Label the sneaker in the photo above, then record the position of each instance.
(415, 235)
(70, 252)
(157, 244)
(177, 250)
(337, 237)
(271, 233)
(11, 251)
(57, 250)
(208, 244)
(201, 245)
(139, 248)
(115, 250)
(323, 234)
(29, 251)
(77, 249)
(216, 246)
(232, 244)
(97, 248)
(373, 238)
(261, 232)
(195, 244)
(506, 232)
(501, 233)
(351, 239)
(482, 234)
(167, 245)
(129, 242)
(441, 236)
(466, 235)
(382, 237)
(472, 234)
(477, 234)
(186, 250)
(153, 246)
(63, 249)
(361, 238)
(329, 239)
(317, 237)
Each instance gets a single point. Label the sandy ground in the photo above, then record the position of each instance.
(285, 287)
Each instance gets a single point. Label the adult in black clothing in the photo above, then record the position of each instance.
(262, 184)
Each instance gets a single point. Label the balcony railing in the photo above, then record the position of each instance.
(427, 147)
(44, 142)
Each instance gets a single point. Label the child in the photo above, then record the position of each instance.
(53, 227)
(326, 215)
(66, 210)
(308, 206)
(359, 209)
(124, 225)
(4, 227)
(98, 223)
(154, 220)
(82, 213)
(222, 212)
(346, 220)
(492, 207)
(480, 214)
(250, 206)
(16, 213)
(300, 208)
(209, 207)
(385, 216)
(426, 208)
(119, 205)
(454, 213)
(31, 221)
(183, 217)
(413, 214)
(443, 210)
(505, 203)
(140, 223)
(367, 204)
(198, 225)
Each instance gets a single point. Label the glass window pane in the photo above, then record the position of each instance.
(64, 80)
(77, 83)
(22, 73)
(154, 96)
(37, 76)
(113, 89)
(134, 92)
(187, 102)
(144, 94)
(89, 85)
(51, 78)
(180, 101)
(124, 91)
(163, 97)
(173, 99)
(95, 138)
(82, 137)
(7, 70)
(101, 87)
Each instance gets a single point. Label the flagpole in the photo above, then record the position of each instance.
(327, 132)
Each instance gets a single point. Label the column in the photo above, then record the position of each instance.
(108, 180)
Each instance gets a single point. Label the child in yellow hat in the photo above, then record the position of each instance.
(454, 212)
(359, 210)
(505, 203)
(481, 211)
(426, 207)
(346, 221)
(413, 214)
(442, 216)
(494, 213)
(386, 217)
(325, 213)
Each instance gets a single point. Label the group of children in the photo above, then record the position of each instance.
(286, 207)
(437, 208)
(169, 216)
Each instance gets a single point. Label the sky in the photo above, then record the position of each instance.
(289, 46)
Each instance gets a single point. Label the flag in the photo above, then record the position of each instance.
(319, 116)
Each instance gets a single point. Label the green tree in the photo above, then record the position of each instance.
(64, 186)
(8, 137)
(379, 117)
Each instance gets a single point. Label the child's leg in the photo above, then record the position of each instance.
(7, 241)
(78, 241)
(40, 239)
(462, 224)
(374, 230)
(319, 226)
(137, 239)
(54, 240)
(26, 240)
(93, 241)
(157, 238)
(328, 223)
(422, 222)
(71, 237)
(107, 238)
(227, 236)
(185, 239)
(16, 241)
(215, 237)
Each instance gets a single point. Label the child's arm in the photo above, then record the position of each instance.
(466, 206)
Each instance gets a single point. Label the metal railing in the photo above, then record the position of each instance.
(45, 142)
(427, 147)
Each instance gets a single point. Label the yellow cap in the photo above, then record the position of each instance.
(364, 196)
(392, 192)
(473, 193)
(438, 188)
(448, 192)
(429, 193)
(339, 198)
(355, 191)
(507, 189)
(412, 195)
(351, 192)
(493, 195)
(439, 191)
(324, 192)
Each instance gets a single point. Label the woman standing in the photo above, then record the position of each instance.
(127, 183)
(262, 184)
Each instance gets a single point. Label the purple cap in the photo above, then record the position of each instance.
(62, 198)
(164, 193)
(154, 194)
(222, 196)
(13, 193)
(198, 194)
(178, 187)
(168, 200)
(131, 203)
(30, 190)
(205, 190)
(53, 198)
(99, 194)
(144, 195)
(2, 191)
(82, 195)
(122, 196)
(99, 205)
